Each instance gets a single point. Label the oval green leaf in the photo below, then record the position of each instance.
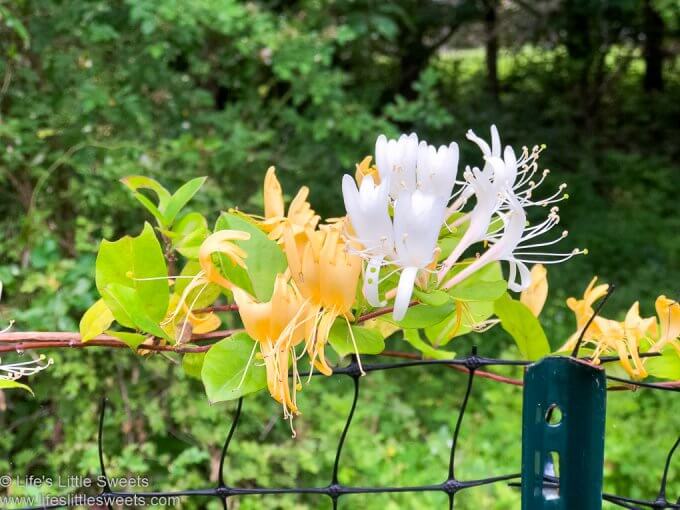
(230, 370)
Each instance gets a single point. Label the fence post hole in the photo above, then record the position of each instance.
(563, 435)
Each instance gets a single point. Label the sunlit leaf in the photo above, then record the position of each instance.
(188, 233)
(6, 384)
(412, 336)
(479, 290)
(523, 326)
(136, 263)
(131, 308)
(180, 199)
(422, 315)
(368, 341)
(95, 321)
(228, 370)
(666, 366)
(133, 340)
(472, 313)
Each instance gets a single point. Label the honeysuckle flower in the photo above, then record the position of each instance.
(278, 326)
(436, 169)
(14, 371)
(668, 311)
(368, 210)
(364, 168)
(498, 192)
(326, 274)
(517, 175)
(222, 242)
(408, 241)
(300, 213)
(396, 162)
(583, 310)
(488, 198)
(534, 296)
(418, 218)
(502, 248)
(609, 336)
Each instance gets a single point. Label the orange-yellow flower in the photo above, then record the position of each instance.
(300, 214)
(624, 338)
(278, 326)
(364, 169)
(219, 242)
(327, 275)
(535, 295)
(668, 311)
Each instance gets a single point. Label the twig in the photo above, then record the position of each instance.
(218, 308)
(32, 340)
(381, 311)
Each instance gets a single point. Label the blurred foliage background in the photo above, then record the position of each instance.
(93, 90)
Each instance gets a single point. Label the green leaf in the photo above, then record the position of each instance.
(265, 258)
(188, 234)
(666, 366)
(369, 341)
(229, 372)
(137, 182)
(6, 384)
(523, 326)
(473, 312)
(434, 298)
(422, 315)
(133, 340)
(131, 308)
(412, 336)
(138, 264)
(192, 363)
(95, 321)
(479, 290)
(149, 206)
(180, 199)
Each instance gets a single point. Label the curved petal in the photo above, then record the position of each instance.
(371, 281)
(404, 292)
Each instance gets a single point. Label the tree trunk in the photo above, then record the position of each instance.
(653, 50)
(491, 25)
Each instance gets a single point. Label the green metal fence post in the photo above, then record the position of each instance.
(563, 435)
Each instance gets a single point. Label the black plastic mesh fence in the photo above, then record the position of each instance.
(336, 490)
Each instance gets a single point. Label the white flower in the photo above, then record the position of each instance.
(509, 245)
(368, 209)
(14, 371)
(517, 175)
(418, 218)
(436, 170)
(396, 162)
(489, 199)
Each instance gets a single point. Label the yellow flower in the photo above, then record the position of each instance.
(300, 213)
(668, 311)
(278, 326)
(610, 336)
(219, 242)
(583, 309)
(535, 295)
(365, 168)
(327, 275)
